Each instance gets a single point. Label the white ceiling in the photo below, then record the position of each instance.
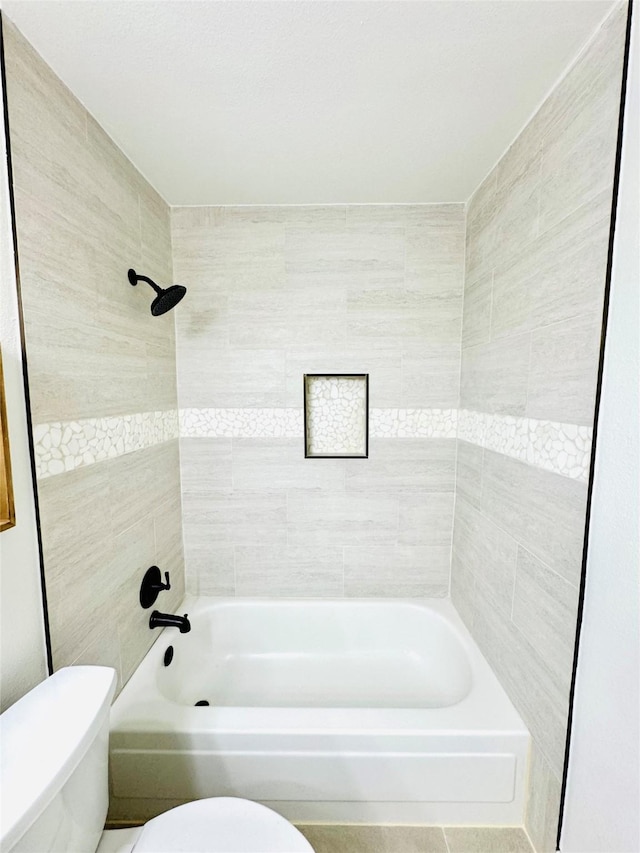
(310, 101)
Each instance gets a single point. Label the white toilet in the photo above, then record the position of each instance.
(54, 745)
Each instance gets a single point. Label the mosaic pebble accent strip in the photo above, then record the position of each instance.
(64, 446)
(336, 415)
(561, 448)
(413, 423)
(241, 423)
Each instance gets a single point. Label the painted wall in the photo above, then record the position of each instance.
(101, 369)
(22, 650)
(537, 235)
(603, 788)
(277, 292)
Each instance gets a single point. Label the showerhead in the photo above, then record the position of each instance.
(166, 297)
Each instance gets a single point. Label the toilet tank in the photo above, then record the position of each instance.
(54, 745)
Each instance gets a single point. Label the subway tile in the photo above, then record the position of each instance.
(304, 572)
(545, 608)
(425, 518)
(400, 466)
(494, 376)
(488, 552)
(487, 839)
(329, 518)
(279, 463)
(563, 371)
(545, 512)
(398, 571)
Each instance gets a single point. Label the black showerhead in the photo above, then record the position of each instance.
(166, 297)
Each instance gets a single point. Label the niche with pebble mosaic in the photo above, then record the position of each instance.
(336, 415)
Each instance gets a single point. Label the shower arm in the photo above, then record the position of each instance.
(138, 278)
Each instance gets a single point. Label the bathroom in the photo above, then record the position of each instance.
(348, 202)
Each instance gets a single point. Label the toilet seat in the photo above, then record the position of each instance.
(220, 825)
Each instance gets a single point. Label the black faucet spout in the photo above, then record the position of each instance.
(166, 620)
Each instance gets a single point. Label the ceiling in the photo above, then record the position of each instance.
(310, 101)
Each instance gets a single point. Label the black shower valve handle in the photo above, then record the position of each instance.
(166, 585)
(152, 586)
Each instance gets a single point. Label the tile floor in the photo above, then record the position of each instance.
(415, 839)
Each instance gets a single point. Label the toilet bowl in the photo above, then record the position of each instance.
(53, 784)
(217, 825)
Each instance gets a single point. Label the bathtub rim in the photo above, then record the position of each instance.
(485, 710)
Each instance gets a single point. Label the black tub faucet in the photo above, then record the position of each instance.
(166, 620)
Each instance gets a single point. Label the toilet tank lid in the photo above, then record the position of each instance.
(43, 737)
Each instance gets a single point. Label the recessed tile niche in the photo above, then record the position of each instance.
(336, 415)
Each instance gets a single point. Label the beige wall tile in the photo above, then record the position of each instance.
(582, 123)
(400, 466)
(560, 276)
(263, 463)
(206, 464)
(210, 567)
(536, 254)
(476, 324)
(84, 215)
(398, 571)
(431, 377)
(562, 374)
(545, 512)
(494, 376)
(488, 552)
(543, 806)
(469, 472)
(339, 518)
(529, 681)
(235, 517)
(425, 518)
(545, 608)
(289, 572)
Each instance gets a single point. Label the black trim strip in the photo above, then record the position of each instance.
(605, 318)
(25, 372)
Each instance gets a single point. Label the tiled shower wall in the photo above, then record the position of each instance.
(277, 292)
(84, 215)
(537, 236)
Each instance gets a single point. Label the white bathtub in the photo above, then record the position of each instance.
(350, 710)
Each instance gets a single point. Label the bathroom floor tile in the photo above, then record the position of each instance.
(374, 839)
(487, 839)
